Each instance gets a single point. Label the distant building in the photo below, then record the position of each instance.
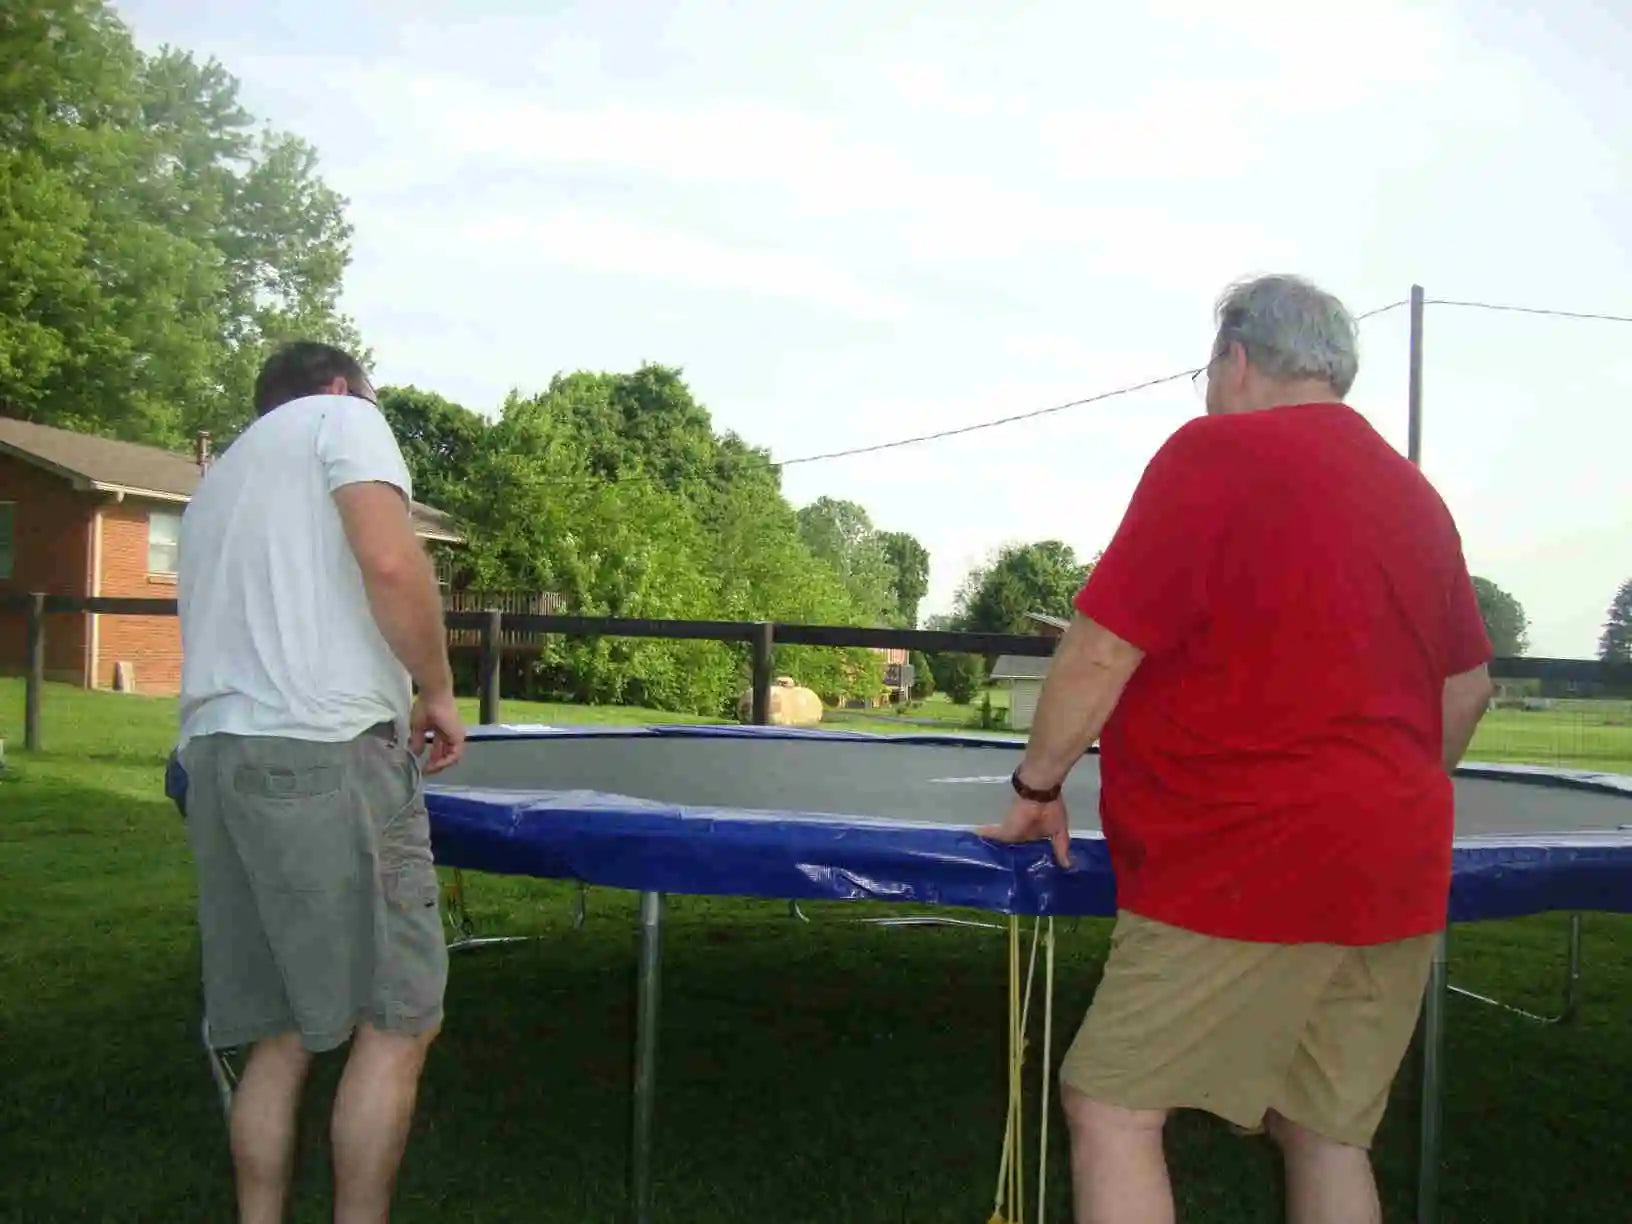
(1022, 676)
(1053, 626)
(87, 516)
(898, 674)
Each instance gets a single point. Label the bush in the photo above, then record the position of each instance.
(923, 676)
(960, 676)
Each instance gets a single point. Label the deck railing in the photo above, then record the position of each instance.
(510, 604)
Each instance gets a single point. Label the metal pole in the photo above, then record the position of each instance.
(1433, 1086)
(492, 651)
(1572, 986)
(646, 1020)
(36, 672)
(1433, 1007)
(762, 643)
(1414, 394)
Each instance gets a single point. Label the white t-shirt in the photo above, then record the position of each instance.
(276, 631)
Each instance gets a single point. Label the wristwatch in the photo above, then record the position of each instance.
(1031, 793)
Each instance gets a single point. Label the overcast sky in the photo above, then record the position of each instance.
(853, 222)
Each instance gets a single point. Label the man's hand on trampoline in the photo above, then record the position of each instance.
(435, 723)
(1028, 821)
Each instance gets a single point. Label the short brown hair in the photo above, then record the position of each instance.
(301, 368)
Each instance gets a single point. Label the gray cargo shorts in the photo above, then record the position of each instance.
(318, 903)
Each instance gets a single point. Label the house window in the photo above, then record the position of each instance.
(163, 541)
(8, 538)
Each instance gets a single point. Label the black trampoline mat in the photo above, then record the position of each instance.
(915, 783)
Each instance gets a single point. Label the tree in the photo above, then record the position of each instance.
(612, 492)
(153, 242)
(1505, 622)
(1616, 644)
(1021, 578)
(841, 534)
(910, 562)
(923, 675)
(440, 442)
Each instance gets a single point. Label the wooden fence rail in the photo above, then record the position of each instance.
(494, 631)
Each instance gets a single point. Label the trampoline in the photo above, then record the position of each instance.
(799, 815)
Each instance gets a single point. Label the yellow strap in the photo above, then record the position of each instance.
(1009, 1207)
(1045, 1072)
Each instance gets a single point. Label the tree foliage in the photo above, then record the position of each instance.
(440, 442)
(959, 675)
(1505, 621)
(841, 535)
(923, 675)
(153, 239)
(1615, 646)
(1040, 577)
(909, 560)
(613, 491)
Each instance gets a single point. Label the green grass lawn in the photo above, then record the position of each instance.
(827, 1072)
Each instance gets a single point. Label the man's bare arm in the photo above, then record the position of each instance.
(1467, 696)
(1090, 669)
(400, 581)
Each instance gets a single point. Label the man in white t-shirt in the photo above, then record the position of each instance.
(309, 613)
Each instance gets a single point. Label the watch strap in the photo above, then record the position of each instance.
(1031, 793)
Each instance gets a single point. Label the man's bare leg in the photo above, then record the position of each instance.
(1118, 1167)
(1326, 1182)
(373, 1110)
(264, 1108)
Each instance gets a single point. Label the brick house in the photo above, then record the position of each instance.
(86, 516)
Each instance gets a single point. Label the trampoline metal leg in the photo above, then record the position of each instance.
(909, 920)
(221, 1070)
(1572, 985)
(645, 1079)
(1433, 1087)
(464, 927)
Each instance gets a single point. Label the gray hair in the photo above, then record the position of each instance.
(1289, 329)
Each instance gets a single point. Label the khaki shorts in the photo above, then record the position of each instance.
(318, 903)
(1315, 1032)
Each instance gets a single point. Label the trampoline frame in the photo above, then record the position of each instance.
(648, 987)
(1431, 1075)
(648, 1002)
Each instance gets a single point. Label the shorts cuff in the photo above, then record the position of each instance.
(323, 1042)
(237, 1036)
(1243, 1119)
(398, 1025)
(1356, 1135)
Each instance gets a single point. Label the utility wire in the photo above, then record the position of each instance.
(1033, 414)
(963, 429)
(1530, 310)
(1116, 393)
(1372, 314)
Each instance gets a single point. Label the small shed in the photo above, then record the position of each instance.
(1023, 676)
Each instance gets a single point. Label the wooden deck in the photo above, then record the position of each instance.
(525, 603)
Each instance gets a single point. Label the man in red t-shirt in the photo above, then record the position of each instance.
(1282, 657)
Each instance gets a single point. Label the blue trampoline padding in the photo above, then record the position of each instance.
(618, 842)
(622, 842)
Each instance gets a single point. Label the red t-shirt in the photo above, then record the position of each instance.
(1274, 769)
